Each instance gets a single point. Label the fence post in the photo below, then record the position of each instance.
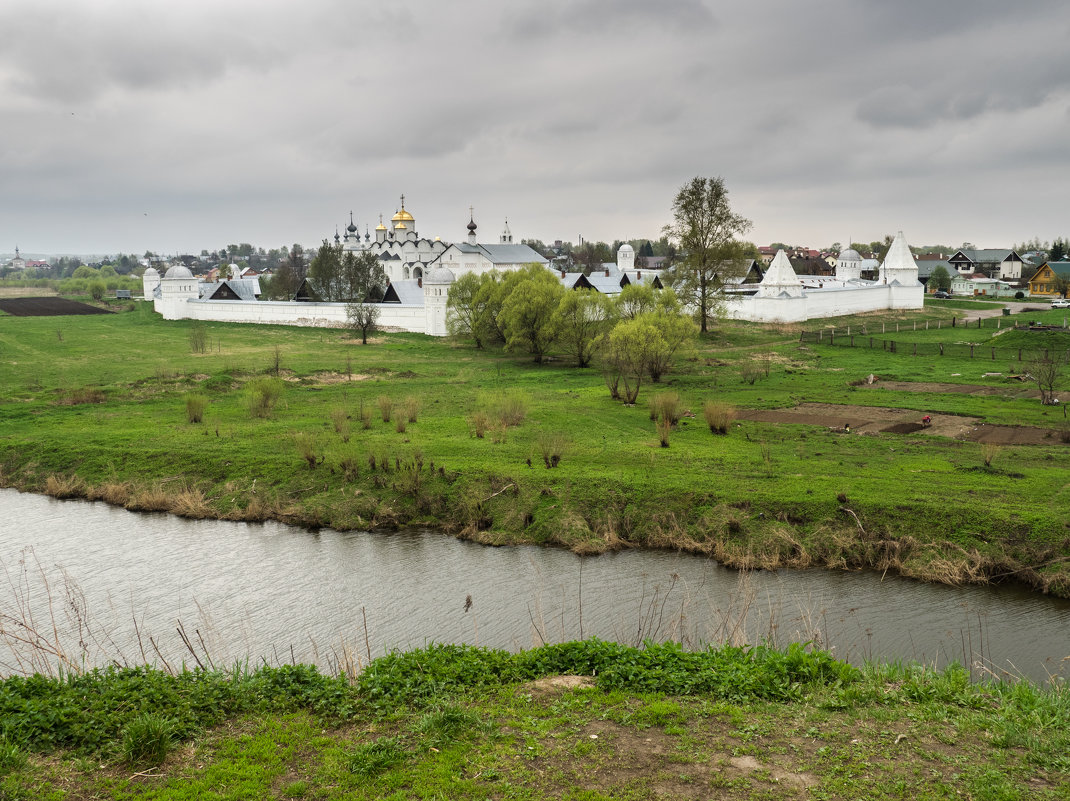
(871, 343)
(848, 330)
(897, 326)
(852, 341)
(884, 328)
(915, 349)
(993, 354)
(941, 348)
(954, 320)
(971, 351)
(1019, 354)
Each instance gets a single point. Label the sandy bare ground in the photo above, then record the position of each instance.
(878, 419)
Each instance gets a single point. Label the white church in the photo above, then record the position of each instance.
(420, 272)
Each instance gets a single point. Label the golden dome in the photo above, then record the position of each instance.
(380, 226)
(400, 227)
(402, 216)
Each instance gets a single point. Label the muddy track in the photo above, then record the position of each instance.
(882, 420)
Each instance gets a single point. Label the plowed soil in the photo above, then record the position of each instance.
(46, 307)
(877, 420)
(1016, 389)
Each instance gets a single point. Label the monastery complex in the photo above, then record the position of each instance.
(420, 272)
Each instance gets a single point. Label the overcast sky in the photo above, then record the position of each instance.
(174, 126)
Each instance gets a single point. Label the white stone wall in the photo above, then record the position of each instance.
(319, 315)
(825, 303)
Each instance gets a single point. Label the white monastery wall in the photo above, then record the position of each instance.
(825, 303)
(265, 312)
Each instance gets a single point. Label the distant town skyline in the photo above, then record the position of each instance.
(134, 126)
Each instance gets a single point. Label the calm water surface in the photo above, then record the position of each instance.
(272, 592)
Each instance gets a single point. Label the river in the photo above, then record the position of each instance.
(100, 584)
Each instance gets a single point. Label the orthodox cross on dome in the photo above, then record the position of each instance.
(403, 200)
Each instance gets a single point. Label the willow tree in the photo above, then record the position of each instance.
(706, 231)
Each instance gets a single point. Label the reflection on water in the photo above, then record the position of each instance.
(122, 584)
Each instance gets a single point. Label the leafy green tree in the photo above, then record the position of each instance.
(1061, 285)
(940, 278)
(466, 305)
(97, 288)
(634, 300)
(627, 353)
(706, 230)
(677, 334)
(527, 314)
(85, 271)
(580, 320)
(325, 273)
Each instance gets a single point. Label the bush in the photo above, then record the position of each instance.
(371, 759)
(553, 446)
(386, 406)
(195, 406)
(719, 416)
(263, 394)
(665, 406)
(97, 289)
(198, 339)
(412, 408)
(751, 371)
(512, 408)
(340, 419)
(306, 448)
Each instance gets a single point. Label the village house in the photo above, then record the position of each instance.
(1043, 280)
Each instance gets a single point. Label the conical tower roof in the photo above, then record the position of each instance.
(780, 278)
(899, 256)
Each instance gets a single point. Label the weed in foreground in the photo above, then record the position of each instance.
(11, 757)
(664, 429)
(147, 739)
(373, 758)
(450, 724)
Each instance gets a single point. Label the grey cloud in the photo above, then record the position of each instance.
(84, 52)
(610, 17)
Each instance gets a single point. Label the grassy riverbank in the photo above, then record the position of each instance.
(583, 720)
(292, 427)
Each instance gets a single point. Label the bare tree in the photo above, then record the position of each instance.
(1046, 373)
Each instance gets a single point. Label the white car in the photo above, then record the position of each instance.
(1060, 303)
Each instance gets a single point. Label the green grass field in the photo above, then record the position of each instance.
(97, 407)
(584, 721)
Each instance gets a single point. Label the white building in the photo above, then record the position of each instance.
(784, 297)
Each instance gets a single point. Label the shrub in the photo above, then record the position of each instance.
(553, 446)
(195, 406)
(989, 451)
(664, 429)
(306, 448)
(386, 406)
(665, 406)
(401, 424)
(479, 422)
(263, 393)
(752, 370)
(511, 408)
(340, 419)
(97, 289)
(198, 339)
(412, 408)
(146, 740)
(719, 416)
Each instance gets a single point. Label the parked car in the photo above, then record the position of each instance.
(1060, 303)
(941, 294)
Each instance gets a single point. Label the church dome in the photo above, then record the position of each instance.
(850, 255)
(400, 227)
(626, 248)
(380, 226)
(178, 271)
(351, 227)
(151, 272)
(401, 216)
(440, 275)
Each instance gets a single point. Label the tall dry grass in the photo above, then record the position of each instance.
(386, 407)
(719, 416)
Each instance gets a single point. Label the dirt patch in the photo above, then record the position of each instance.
(1018, 389)
(882, 420)
(46, 307)
(555, 685)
